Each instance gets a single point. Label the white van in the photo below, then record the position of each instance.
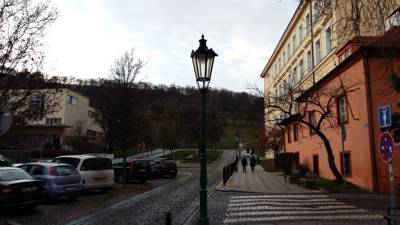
(96, 171)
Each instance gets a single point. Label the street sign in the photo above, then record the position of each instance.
(385, 116)
(386, 147)
(5, 120)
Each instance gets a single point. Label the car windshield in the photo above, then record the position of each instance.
(65, 171)
(97, 164)
(67, 160)
(9, 175)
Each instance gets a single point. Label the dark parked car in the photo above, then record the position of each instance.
(136, 169)
(60, 179)
(19, 189)
(167, 167)
(4, 161)
(155, 169)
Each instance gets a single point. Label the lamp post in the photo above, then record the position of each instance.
(203, 61)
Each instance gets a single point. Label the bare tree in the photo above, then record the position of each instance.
(22, 26)
(313, 108)
(121, 104)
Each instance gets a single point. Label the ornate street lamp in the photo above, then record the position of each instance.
(203, 61)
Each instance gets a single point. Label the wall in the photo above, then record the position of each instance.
(357, 143)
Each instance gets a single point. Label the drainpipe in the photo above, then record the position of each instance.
(312, 41)
(370, 121)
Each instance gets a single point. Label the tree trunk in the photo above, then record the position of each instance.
(331, 158)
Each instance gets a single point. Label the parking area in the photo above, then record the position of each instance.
(63, 211)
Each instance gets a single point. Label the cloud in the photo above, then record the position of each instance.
(90, 35)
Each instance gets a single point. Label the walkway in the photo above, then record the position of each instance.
(259, 182)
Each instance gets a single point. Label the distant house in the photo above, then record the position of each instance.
(73, 117)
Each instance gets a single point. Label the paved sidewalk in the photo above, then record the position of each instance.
(259, 182)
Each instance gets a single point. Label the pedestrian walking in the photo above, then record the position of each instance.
(244, 163)
(252, 163)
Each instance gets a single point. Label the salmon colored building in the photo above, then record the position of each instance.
(367, 73)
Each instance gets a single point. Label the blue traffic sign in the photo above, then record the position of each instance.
(386, 147)
(385, 116)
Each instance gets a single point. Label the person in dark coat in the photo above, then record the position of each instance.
(252, 163)
(244, 163)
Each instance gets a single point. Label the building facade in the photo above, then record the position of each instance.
(71, 117)
(368, 72)
(307, 49)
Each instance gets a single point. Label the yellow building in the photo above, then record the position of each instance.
(71, 116)
(306, 50)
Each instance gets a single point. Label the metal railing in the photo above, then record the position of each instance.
(228, 170)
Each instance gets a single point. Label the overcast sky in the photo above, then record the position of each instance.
(90, 34)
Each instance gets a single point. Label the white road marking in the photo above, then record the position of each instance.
(325, 217)
(270, 207)
(284, 203)
(284, 200)
(304, 196)
(259, 213)
(290, 208)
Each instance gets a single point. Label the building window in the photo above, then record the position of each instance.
(301, 69)
(53, 121)
(393, 20)
(308, 23)
(342, 57)
(295, 75)
(300, 33)
(284, 56)
(342, 109)
(72, 100)
(328, 38)
(345, 161)
(288, 51)
(348, 52)
(92, 115)
(312, 122)
(317, 11)
(309, 61)
(280, 64)
(318, 51)
(294, 44)
(288, 134)
(91, 135)
(36, 105)
(276, 70)
(295, 132)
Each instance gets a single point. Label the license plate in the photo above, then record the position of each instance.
(71, 189)
(29, 189)
(99, 178)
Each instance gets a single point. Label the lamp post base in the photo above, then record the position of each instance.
(203, 221)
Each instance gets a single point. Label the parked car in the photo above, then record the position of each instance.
(167, 167)
(60, 179)
(96, 171)
(19, 189)
(136, 169)
(5, 161)
(155, 169)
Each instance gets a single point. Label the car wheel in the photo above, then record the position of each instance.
(104, 190)
(72, 197)
(120, 179)
(30, 207)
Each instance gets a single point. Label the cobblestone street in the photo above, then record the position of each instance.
(179, 197)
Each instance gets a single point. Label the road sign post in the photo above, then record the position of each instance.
(386, 148)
